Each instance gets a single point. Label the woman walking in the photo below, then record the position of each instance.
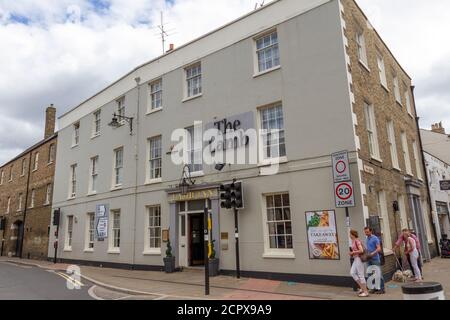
(411, 250)
(357, 270)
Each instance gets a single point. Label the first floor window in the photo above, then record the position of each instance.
(19, 207)
(194, 80)
(417, 161)
(115, 230)
(156, 94)
(371, 127)
(118, 166)
(194, 149)
(268, 52)
(405, 151)
(36, 161)
(48, 194)
(73, 181)
(69, 232)
(279, 223)
(121, 109)
(51, 153)
(76, 134)
(8, 205)
(97, 123)
(94, 174)
(272, 132)
(155, 158)
(392, 144)
(384, 217)
(90, 231)
(33, 198)
(154, 227)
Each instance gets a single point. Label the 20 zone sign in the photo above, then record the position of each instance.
(344, 195)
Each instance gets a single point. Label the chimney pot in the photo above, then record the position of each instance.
(171, 47)
(438, 128)
(50, 119)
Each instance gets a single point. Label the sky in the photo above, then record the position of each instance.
(64, 51)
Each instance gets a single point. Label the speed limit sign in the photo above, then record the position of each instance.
(344, 194)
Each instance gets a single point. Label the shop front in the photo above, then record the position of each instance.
(443, 217)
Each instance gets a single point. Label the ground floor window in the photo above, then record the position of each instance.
(90, 231)
(153, 225)
(279, 223)
(69, 233)
(114, 244)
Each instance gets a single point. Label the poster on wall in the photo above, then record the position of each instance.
(322, 235)
(101, 222)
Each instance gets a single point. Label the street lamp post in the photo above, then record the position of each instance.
(115, 121)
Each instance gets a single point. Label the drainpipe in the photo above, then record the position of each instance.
(424, 169)
(26, 206)
(136, 158)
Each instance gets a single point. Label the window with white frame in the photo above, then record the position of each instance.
(51, 153)
(8, 205)
(33, 198)
(194, 80)
(93, 175)
(381, 69)
(121, 109)
(114, 242)
(24, 167)
(118, 167)
(11, 171)
(403, 214)
(384, 217)
(272, 132)
(426, 217)
(155, 158)
(156, 95)
(361, 44)
(371, 128)
(90, 231)
(405, 151)
(73, 181)
(48, 193)
(36, 161)
(278, 222)
(267, 52)
(19, 206)
(153, 241)
(97, 123)
(76, 134)
(2, 177)
(408, 102)
(393, 145)
(194, 149)
(417, 161)
(69, 233)
(398, 97)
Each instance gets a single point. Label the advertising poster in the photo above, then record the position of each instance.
(322, 235)
(101, 222)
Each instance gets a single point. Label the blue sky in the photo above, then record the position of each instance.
(64, 51)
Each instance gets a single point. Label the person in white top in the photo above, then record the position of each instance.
(411, 249)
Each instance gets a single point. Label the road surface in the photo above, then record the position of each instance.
(22, 282)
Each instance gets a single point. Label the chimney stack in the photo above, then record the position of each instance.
(50, 118)
(438, 128)
(171, 47)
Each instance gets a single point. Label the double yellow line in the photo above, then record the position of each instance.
(70, 279)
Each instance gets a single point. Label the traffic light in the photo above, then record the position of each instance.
(231, 195)
(56, 217)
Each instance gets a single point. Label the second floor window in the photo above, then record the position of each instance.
(97, 123)
(408, 102)
(392, 145)
(8, 205)
(381, 70)
(11, 173)
(156, 95)
(268, 52)
(24, 167)
(121, 109)
(405, 151)
(194, 80)
(417, 161)
(2, 177)
(272, 132)
(36, 161)
(94, 175)
(155, 158)
(397, 90)
(19, 206)
(118, 167)
(73, 181)
(361, 44)
(76, 134)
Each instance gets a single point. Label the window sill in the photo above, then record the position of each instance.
(279, 255)
(67, 249)
(410, 114)
(258, 74)
(49, 163)
(114, 251)
(397, 169)
(154, 111)
(153, 181)
(47, 204)
(95, 136)
(385, 87)
(88, 250)
(115, 188)
(364, 65)
(376, 159)
(74, 146)
(272, 161)
(92, 193)
(22, 175)
(34, 170)
(388, 252)
(154, 252)
(71, 198)
(197, 174)
(192, 98)
(399, 103)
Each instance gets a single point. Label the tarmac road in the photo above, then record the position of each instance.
(22, 282)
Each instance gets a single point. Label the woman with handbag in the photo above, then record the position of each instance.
(357, 270)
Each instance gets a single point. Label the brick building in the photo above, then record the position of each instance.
(26, 189)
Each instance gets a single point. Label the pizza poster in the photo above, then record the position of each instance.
(322, 235)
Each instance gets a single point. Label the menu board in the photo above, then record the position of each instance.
(323, 241)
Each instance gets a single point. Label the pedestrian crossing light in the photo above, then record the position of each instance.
(231, 195)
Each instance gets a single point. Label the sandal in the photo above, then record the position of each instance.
(363, 295)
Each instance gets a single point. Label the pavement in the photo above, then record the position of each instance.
(118, 284)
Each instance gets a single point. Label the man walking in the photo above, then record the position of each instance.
(374, 249)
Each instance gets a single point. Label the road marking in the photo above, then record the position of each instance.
(17, 265)
(162, 297)
(68, 278)
(92, 293)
